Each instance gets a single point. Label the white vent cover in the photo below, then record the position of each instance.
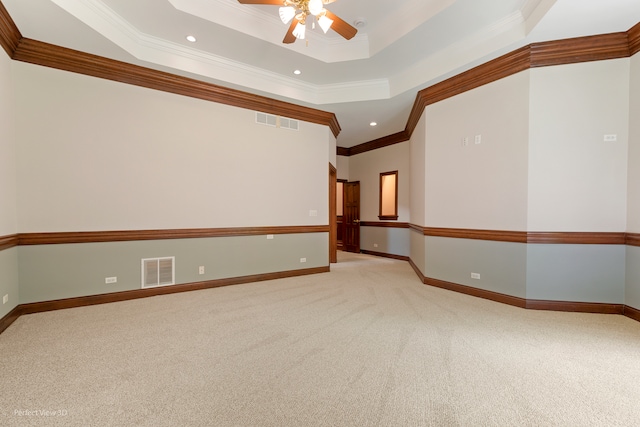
(276, 121)
(266, 119)
(158, 272)
(288, 123)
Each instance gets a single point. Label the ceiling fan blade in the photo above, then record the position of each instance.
(273, 2)
(341, 27)
(289, 37)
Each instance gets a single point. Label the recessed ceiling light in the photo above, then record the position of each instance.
(297, 72)
(191, 39)
(373, 124)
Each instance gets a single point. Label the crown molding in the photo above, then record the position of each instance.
(48, 55)
(580, 49)
(9, 34)
(385, 141)
(559, 52)
(634, 39)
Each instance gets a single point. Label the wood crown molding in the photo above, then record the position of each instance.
(48, 55)
(634, 39)
(385, 141)
(558, 52)
(25, 239)
(580, 49)
(7, 242)
(534, 237)
(9, 33)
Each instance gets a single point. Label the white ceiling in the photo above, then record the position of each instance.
(403, 46)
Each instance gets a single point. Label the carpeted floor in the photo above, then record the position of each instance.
(364, 345)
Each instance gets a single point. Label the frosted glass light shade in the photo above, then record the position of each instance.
(315, 7)
(325, 23)
(299, 30)
(287, 14)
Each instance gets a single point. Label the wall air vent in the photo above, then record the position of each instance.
(276, 121)
(288, 123)
(158, 272)
(266, 119)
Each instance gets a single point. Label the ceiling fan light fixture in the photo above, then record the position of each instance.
(287, 13)
(315, 7)
(325, 23)
(299, 30)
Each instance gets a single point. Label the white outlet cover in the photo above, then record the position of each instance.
(201, 269)
(303, 260)
(478, 139)
(610, 138)
(111, 280)
(475, 276)
(5, 299)
(269, 236)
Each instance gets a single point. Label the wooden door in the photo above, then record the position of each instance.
(333, 217)
(351, 238)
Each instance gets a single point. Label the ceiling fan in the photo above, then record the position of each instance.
(302, 10)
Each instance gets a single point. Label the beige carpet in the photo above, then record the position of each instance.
(364, 345)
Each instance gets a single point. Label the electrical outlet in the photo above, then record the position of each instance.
(475, 276)
(375, 245)
(110, 280)
(201, 269)
(313, 212)
(478, 139)
(465, 141)
(303, 260)
(5, 299)
(610, 138)
(269, 236)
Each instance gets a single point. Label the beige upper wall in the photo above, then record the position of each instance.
(343, 167)
(578, 182)
(8, 212)
(100, 155)
(633, 192)
(368, 166)
(417, 146)
(479, 186)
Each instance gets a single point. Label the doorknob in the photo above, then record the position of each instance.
(357, 221)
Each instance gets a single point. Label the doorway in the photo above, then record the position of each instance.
(351, 217)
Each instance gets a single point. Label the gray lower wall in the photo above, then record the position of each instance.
(579, 273)
(9, 280)
(50, 272)
(395, 241)
(555, 272)
(632, 277)
(417, 247)
(501, 265)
